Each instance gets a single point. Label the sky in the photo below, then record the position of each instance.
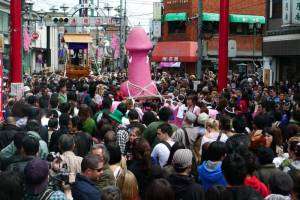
(139, 11)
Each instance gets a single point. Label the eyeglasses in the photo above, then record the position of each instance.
(98, 170)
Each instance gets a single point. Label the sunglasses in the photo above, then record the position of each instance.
(98, 170)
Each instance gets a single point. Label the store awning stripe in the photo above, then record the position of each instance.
(78, 38)
(176, 17)
(235, 18)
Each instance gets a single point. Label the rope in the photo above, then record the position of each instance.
(141, 89)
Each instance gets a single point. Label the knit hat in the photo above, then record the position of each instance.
(191, 117)
(182, 159)
(202, 118)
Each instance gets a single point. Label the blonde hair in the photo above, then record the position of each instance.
(100, 90)
(128, 185)
(212, 123)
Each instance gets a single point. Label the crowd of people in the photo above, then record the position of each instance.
(82, 139)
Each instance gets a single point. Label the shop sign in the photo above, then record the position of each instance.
(286, 12)
(296, 12)
(232, 48)
(35, 35)
(157, 8)
(170, 59)
(156, 29)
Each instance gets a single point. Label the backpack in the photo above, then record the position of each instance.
(47, 194)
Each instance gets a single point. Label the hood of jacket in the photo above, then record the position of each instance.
(34, 135)
(211, 171)
(180, 183)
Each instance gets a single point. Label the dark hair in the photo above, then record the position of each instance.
(32, 100)
(265, 155)
(260, 122)
(66, 142)
(11, 186)
(43, 102)
(142, 152)
(160, 189)
(90, 162)
(115, 154)
(106, 103)
(295, 175)
(225, 123)
(148, 118)
(165, 114)
(166, 129)
(84, 112)
(75, 121)
(251, 162)
(294, 146)
(281, 183)
(122, 108)
(64, 120)
(133, 115)
(54, 100)
(239, 124)
(18, 138)
(72, 96)
(234, 169)
(33, 125)
(174, 148)
(110, 138)
(111, 193)
(216, 151)
(64, 107)
(30, 145)
(237, 142)
(53, 123)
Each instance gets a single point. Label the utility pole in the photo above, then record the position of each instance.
(121, 66)
(223, 44)
(200, 37)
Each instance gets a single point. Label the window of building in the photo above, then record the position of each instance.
(210, 27)
(276, 9)
(245, 29)
(176, 27)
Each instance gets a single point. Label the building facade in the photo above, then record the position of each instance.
(180, 34)
(281, 44)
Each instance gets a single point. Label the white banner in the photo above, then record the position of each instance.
(296, 12)
(157, 8)
(286, 12)
(156, 29)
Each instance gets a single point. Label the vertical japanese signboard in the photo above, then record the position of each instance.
(157, 8)
(286, 12)
(296, 12)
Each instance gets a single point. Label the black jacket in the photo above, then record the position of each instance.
(53, 146)
(83, 143)
(85, 189)
(240, 193)
(185, 188)
(19, 165)
(7, 134)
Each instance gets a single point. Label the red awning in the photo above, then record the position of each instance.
(181, 51)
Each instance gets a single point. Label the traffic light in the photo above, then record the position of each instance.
(60, 20)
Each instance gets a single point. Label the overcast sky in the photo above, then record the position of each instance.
(139, 11)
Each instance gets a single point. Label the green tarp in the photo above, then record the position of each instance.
(176, 17)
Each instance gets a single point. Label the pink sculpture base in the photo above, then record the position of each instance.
(134, 91)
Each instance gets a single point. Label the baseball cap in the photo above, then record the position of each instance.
(36, 176)
(202, 118)
(182, 158)
(191, 117)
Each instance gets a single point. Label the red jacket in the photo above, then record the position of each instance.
(261, 188)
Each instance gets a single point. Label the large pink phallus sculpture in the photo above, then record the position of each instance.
(139, 82)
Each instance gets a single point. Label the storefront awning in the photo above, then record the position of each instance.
(185, 51)
(169, 65)
(250, 19)
(176, 17)
(78, 38)
(211, 17)
(234, 18)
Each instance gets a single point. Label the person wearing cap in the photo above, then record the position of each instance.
(188, 134)
(161, 151)
(183, 185)
(84, 187)
(36, 175)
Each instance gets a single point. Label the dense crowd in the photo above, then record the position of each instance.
(82, 139)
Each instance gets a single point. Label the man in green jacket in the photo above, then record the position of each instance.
(165, 115)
